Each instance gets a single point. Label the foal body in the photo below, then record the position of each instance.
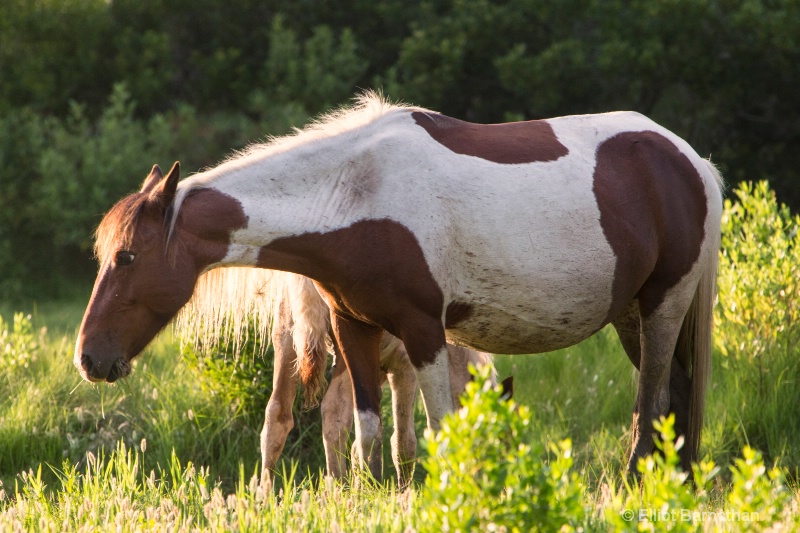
(337, 403)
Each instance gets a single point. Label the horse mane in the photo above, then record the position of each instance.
(230, 303)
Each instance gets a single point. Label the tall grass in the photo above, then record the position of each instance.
(48, 414)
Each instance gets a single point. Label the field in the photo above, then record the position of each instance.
(175, 446)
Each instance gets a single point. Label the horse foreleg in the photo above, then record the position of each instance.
(278, 419)
(359, 343)
(427, 350)
(337, 419)
(403, 382)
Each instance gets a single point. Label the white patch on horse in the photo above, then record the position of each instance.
(241, 255)
(368, 445)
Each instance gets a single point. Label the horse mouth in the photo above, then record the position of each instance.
(95, 372)
(120, 369)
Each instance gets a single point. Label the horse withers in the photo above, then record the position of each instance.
(508, 238)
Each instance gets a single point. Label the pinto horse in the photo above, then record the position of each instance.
(508, 238)
(291, 310)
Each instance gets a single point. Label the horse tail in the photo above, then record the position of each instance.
(694, 341)
(309, 335)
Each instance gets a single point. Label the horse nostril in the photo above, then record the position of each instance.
(87, 364)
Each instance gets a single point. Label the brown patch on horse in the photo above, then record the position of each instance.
(213, 216)
(373, 271)
(513, 143)
(116, 230)
(638, 177)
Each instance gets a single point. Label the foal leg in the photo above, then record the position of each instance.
(403, 382)
(278, 419)
(359, 343)
(459, 360)
(337, 419)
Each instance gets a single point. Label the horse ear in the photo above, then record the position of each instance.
(164, 192)
(152, 179)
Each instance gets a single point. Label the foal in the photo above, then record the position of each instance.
(301, 340)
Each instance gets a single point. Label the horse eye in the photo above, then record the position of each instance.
(124, 258)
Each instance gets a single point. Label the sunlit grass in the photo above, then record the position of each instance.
(174, 447)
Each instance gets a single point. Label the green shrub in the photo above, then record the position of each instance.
(18, 345)
(759, 281)
(758, 323)
(757, 494)
(664, 501)
(489, 470)
(242, 378)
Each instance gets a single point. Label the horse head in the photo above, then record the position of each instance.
(140, 286)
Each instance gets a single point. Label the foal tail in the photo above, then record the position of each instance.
(309, 335)
(695, 342)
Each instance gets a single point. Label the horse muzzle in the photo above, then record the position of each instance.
(95, 371)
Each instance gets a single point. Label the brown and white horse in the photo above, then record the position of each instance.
(508, 238)
(291, 310)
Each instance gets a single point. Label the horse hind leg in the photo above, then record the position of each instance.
(628, 327)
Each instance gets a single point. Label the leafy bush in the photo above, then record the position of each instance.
(18, 345)
(757, 493)
(242, 377)
(759, 280)
(489, 470)
(664, 501)
(758, 321)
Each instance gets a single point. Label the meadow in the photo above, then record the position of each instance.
(174, 447)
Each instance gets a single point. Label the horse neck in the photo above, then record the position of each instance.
(309, 189)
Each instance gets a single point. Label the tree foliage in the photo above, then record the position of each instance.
(201, 78)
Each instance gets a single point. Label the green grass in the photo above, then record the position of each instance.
(49, 414)
(162, 435)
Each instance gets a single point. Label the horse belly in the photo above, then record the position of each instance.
(499, 330)
(545, 300)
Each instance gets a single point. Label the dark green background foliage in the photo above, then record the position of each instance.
(94, 92)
